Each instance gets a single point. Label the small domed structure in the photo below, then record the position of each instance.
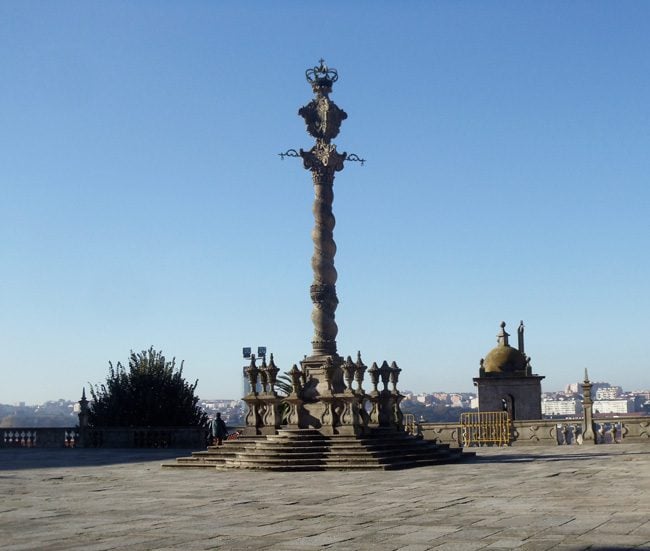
(503, 358)
(506, 381)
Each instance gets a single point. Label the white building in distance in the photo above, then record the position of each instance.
(560, 407)
(608, 393)
(612, 406)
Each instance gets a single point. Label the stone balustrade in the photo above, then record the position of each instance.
(346, 406)
(555, 432)
(110, 437)
(40, 437)
(144, 437)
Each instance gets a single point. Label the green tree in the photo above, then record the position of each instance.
(151, 392)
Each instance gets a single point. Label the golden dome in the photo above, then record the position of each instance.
(504, 358)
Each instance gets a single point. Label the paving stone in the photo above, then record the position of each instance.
(618, 527)
(459, 546)
(538, 545)
(506, 544)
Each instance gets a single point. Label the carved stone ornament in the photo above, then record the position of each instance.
(272, 371)
(349, 369)
(394, 375)
(384, 372)
(359, 371)
(252, 373)
(323, 157)
(374, 376)
(323, 118)
(295, 375)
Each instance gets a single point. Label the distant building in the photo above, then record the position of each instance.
(572, 388)
(560, 408)
(506, 381)
(456, 401)
(608, 393)
(612, 406)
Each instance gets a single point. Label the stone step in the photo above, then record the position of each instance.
(308, 449)
(197, 465)
(364, 455)
(296, 443)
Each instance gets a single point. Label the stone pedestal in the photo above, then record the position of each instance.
(270, 414)
(322, 375)
(253, 418)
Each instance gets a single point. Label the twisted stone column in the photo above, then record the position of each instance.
(323, 119)
(323, 288)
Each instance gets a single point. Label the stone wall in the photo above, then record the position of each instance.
(553, 432)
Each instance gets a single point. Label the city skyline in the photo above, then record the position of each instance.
(144, 203)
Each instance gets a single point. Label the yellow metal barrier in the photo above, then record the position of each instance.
(485, 428)
(410, 425)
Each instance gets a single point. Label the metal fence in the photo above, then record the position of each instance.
(485, 428)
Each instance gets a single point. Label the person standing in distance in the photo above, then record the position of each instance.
(219, 430)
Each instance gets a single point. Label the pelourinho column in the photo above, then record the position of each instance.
(323, 119)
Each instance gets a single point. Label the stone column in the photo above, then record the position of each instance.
(588, 408)
(323, 402)
(323, 373)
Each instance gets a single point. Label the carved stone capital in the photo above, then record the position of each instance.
(323, 159)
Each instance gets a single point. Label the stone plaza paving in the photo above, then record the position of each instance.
(536, 498)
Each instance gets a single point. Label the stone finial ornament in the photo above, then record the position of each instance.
(384, 372)
(374, 376)
(394, 375)
(349, 369)
(252, 373)
(296, 376)
(83, 409)
(264, 378)
(520, 336)
(272, 371)
(359, 372)
(502, 335)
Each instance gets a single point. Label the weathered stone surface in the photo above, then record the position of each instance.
(538, 498)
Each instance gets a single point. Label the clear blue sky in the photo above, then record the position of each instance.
(143, 202)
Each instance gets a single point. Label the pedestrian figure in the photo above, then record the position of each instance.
(218, 429)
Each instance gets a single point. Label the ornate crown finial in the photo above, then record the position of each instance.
(321, 77)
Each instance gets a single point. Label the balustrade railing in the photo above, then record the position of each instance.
(554, 432)
(109, 437)
(49, 437)
(343, 406)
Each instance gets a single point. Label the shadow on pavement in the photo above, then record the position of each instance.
(529, 458)
(602, 547)
(12, 459)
